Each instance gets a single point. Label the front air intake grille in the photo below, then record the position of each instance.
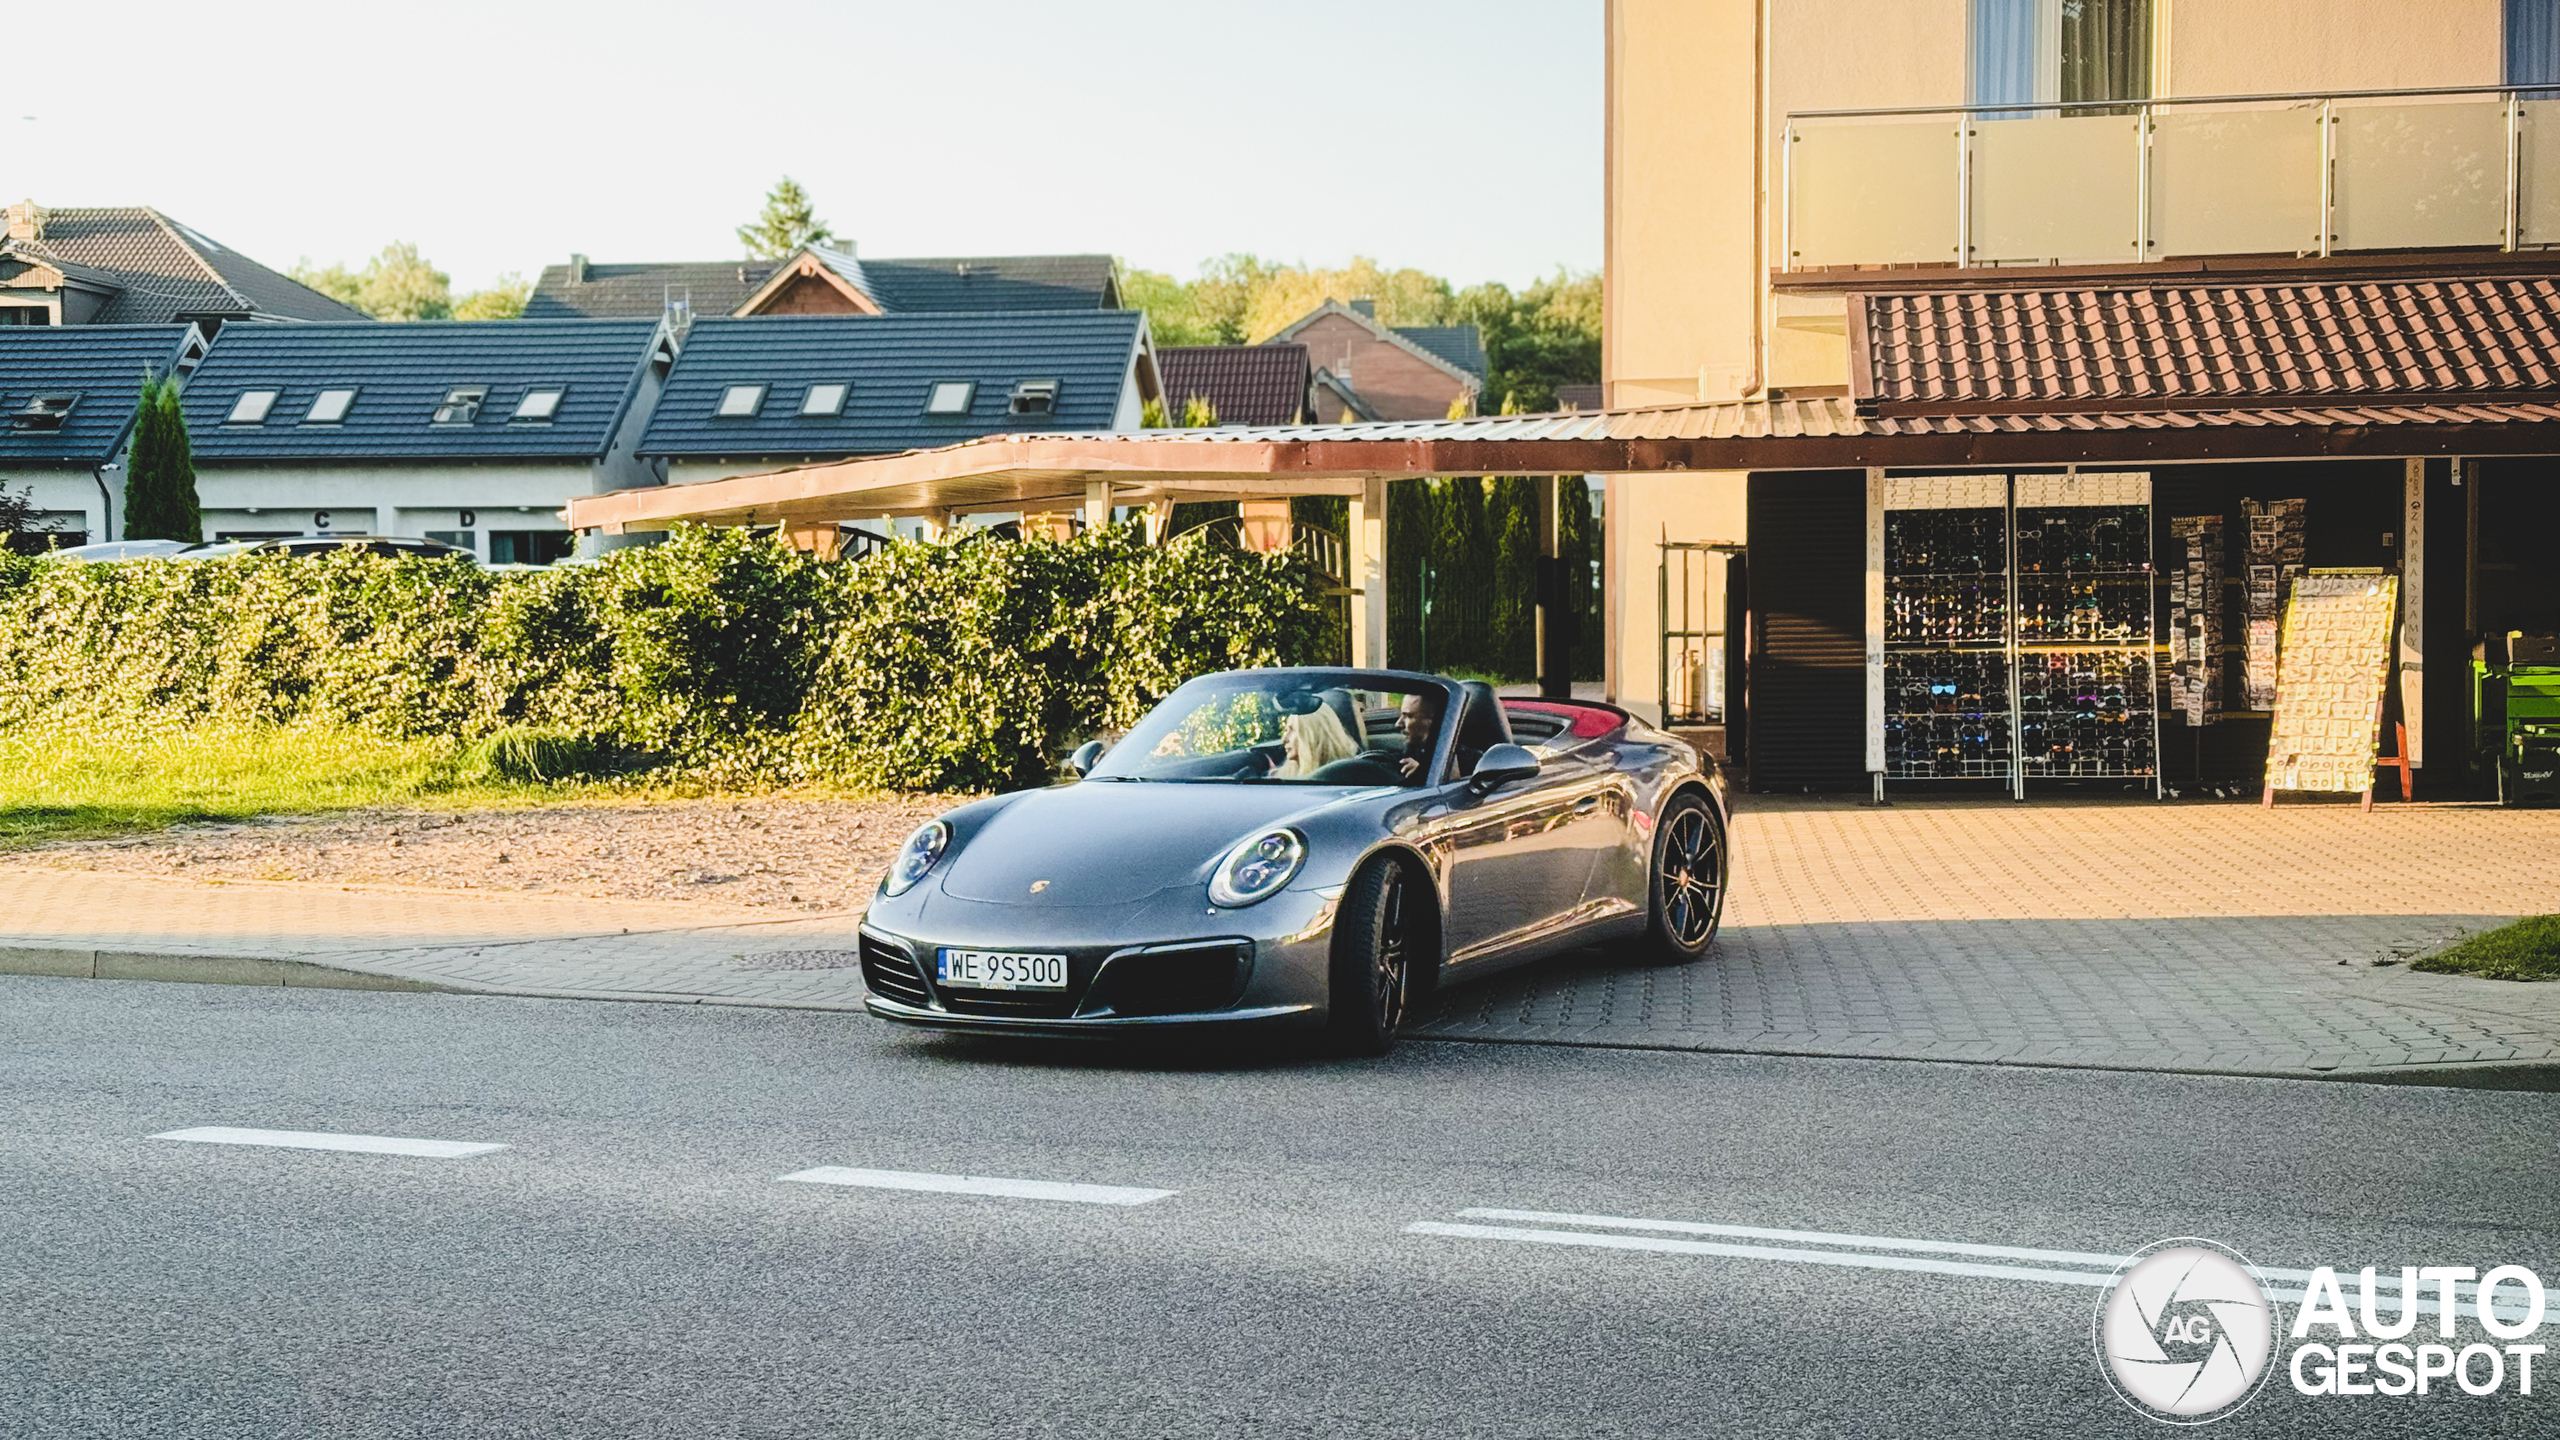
(891, 973)
(1175, 980)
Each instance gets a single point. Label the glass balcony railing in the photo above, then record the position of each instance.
(2140, 182)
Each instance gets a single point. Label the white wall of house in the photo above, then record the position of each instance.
(389, 499)
(69, 498)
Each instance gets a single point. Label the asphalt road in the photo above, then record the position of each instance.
(633, 1264)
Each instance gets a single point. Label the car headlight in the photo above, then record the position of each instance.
(1256, 869)
(916, 857)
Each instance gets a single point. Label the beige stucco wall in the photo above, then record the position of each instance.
(1640, 512)
(2256, 47)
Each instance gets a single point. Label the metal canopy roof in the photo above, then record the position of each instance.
(1052, 471)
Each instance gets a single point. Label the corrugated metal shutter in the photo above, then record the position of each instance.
(1808, 687)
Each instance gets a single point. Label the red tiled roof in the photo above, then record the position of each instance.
(2178, 347)
(1247, 384)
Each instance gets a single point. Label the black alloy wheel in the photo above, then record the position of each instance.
(1690, 867)
(1372, 972)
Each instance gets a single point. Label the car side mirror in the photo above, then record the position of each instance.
(1088, 755)
(1500, 766)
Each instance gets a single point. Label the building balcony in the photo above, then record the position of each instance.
(2142, 183)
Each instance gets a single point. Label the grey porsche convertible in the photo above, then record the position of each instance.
(1315, 849)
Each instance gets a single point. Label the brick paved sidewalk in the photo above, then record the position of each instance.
(2125, 935)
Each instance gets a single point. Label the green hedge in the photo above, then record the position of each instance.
(967, 665)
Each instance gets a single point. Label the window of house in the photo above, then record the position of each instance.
(740, 401)
(2067, 51)
(1034, 397)
(951, 397)
(44, 412)
(461, 404)
(2533, 42)
(251, 408)
(824, 399)
(539, 404)
(329, 407)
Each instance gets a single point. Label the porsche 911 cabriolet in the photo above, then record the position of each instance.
(1316, 849)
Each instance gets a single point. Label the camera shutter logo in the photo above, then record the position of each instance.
(2186, 1333)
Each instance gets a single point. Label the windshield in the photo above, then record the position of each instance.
(1283, 728)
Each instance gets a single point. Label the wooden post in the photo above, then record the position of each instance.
(1366, 571)
(1097, 504)
(1555, 623)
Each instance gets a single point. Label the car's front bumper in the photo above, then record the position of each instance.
(1255, 1017)
(1283, 949)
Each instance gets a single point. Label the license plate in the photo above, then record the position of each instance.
(1000, 970)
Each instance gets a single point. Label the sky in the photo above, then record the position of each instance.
(1461, 137)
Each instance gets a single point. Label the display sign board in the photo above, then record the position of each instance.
(2332, 665)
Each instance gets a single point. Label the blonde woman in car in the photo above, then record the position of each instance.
(1312, 741)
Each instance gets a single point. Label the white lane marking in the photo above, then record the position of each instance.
(1812, 1237)
(979, 1185)
(323, 1140)
(1758, 1252)
(2386, 1283)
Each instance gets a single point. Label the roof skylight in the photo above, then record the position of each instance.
(740, 401)
(251, 408)
(539, 404)
(1034, 397)
(461, 405)
(951, 397)
(825, 399)
(44, 412)
(329, 407)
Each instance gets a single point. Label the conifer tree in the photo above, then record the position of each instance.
(786, 223)
(160, 479)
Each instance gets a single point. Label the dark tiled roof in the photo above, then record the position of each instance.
(1001, 282)
(891, 361)
(402, 372)
(2183, 346)
(1460, 345)
(102, 364)
(634, 291)
(1248, 384)
(165, 270)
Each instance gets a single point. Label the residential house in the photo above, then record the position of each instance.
(474, 434)
(751, 394)
(69, 395)
(132, 265)
(1242, 384)
(1369, 370)
(2261, 276)
(825, 279)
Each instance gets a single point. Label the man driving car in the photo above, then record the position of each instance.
(1418, 721)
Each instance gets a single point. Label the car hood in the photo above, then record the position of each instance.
(1107, 842)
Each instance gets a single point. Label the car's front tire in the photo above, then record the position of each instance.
(1685, 889)
(1373, 950)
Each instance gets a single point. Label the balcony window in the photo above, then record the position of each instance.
(2070, 51)
(2533, 42)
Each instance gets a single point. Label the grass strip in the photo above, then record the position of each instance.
(2529, 949)
(68, 785)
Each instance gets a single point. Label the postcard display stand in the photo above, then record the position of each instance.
(2331, 671)
(2010, 628)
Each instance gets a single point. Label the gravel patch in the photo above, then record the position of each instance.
(782, 854)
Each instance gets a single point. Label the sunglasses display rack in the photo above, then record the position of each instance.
(2018, 628)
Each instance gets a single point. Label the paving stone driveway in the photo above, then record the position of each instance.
(2131, 935)
(2124, 934)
